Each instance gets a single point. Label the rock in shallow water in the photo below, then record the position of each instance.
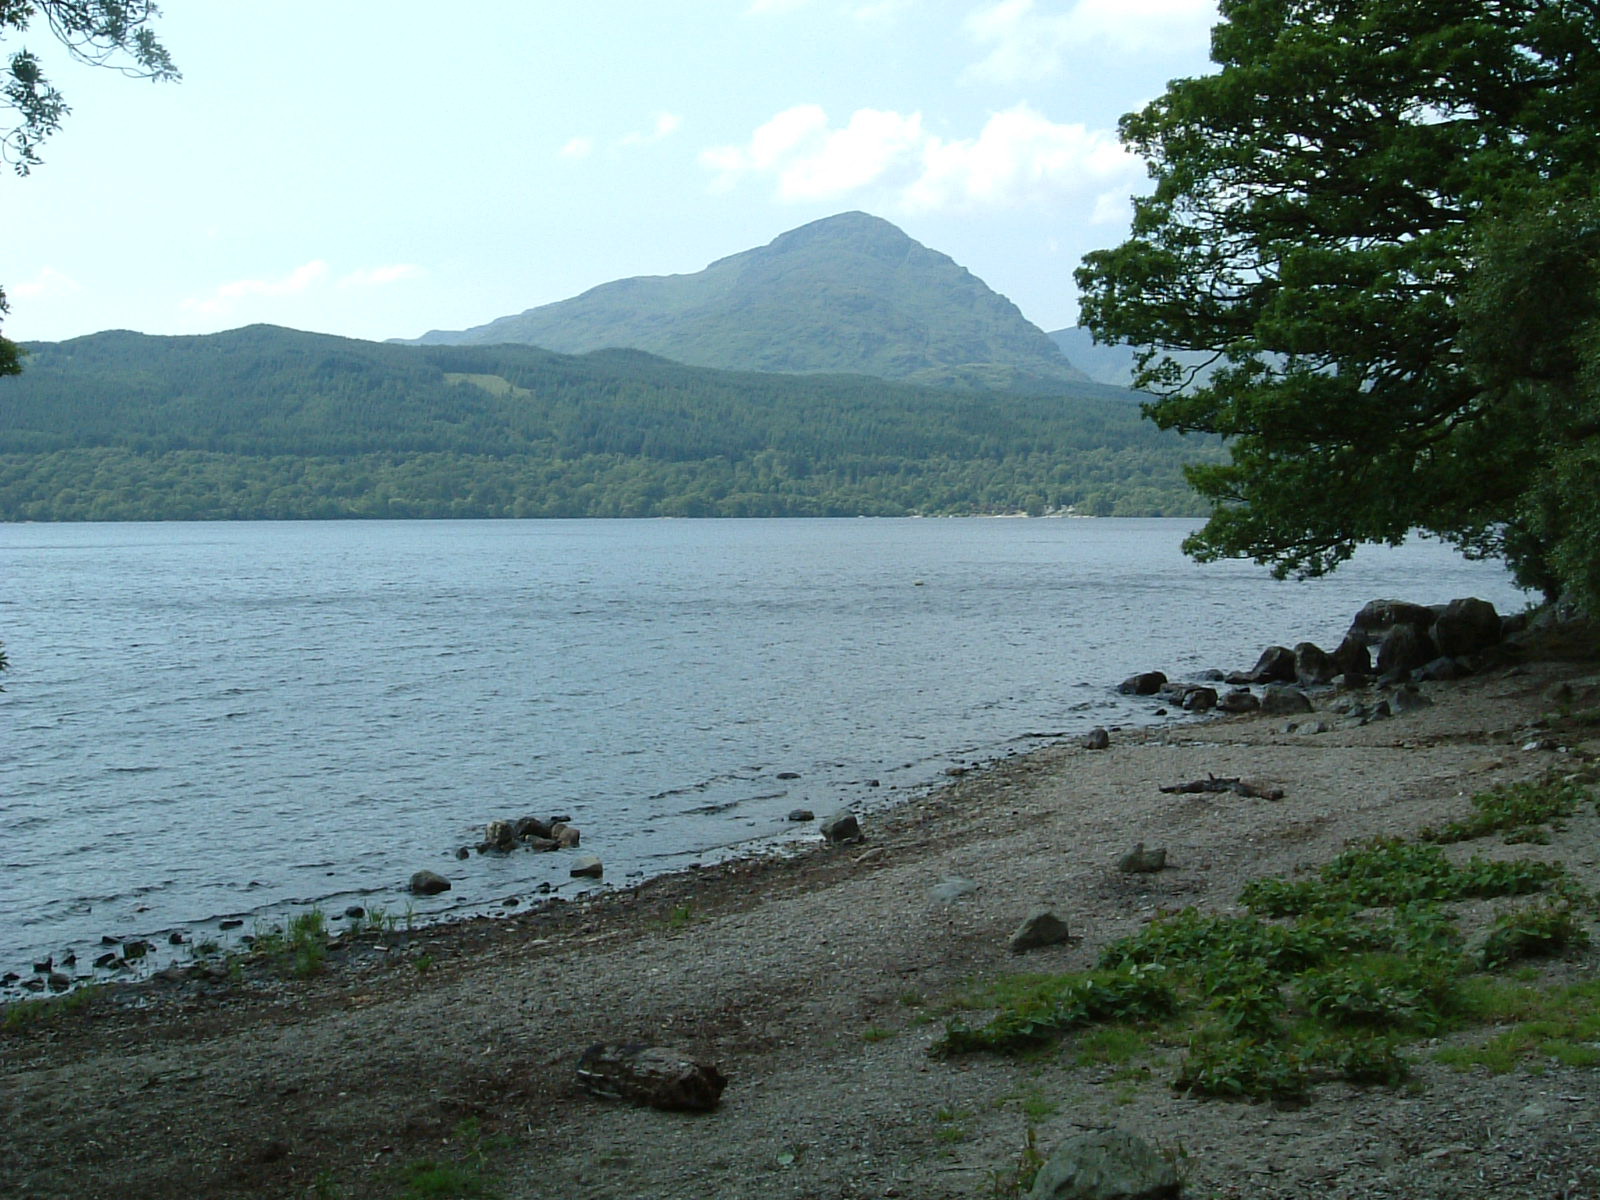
(428, 883)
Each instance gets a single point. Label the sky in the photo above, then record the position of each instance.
(380, 168)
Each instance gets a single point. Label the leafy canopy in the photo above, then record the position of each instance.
(104, 33)
(1343, 216)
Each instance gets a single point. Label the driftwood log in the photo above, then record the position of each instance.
(658, 1076)
(1212, 783)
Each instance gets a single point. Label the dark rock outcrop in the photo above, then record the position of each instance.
(657, 1076)
(1468, 626)
(1403, 649)
(1314, 666)
(1276, 665)
(1378, 617)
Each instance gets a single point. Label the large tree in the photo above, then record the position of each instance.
(1341, 214)
(105, 33)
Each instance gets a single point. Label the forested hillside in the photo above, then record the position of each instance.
(267, 423)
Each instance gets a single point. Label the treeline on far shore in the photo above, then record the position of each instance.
(116, 484)
(269, 424)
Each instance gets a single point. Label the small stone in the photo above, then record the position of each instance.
(59, 982)
(566, 836)
(802, 814)
(586, 866)
(355, 912)
(463, 853)
(136, 949)
(952, 888)
(1041, 928)
(788, 775)
(1097, 739)
(510, 902)
(428, 883)
(108, 961)
(230, 923)
(177, 939)
(1140, 861)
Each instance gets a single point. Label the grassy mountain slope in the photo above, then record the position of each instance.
(265, 422)
(848, 293)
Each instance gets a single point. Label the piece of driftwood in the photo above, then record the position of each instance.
(1212, 783)
(655, 1075)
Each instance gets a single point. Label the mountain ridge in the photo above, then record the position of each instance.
(850, 293)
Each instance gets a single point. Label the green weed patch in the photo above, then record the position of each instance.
(1326, 978)
(1523, 812)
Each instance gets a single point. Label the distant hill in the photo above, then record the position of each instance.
(850, 293)
(269, 423)
(1111, 365)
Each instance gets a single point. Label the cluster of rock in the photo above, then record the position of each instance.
(529, 833)
(1391, 643)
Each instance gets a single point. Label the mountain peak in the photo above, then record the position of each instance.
(850, 293)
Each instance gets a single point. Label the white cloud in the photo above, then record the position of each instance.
(1027, 41)
(382, 276)
(578, 147)
(662, 126)
(310, 277)
(1019, 158)
(292, 284)
(49, 283)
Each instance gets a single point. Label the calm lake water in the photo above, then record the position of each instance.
(223, 720)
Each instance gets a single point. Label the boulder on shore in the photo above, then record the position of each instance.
(1378, 617)
(658, 1076)
(1468, 626)
(1403, 649)
(841, 827)
(1276, 665)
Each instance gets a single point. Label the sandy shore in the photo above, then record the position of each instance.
(810, 980)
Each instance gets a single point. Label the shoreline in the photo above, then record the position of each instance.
(808, 978)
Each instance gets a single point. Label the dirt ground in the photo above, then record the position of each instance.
(817, 983)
